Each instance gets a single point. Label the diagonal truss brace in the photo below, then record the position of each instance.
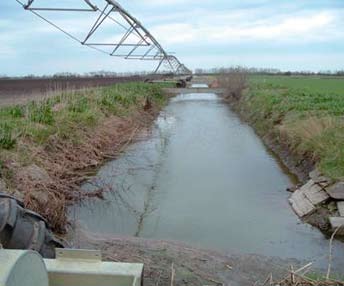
(145, 48)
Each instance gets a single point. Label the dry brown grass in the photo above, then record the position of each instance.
(51, 158)
(234, 81)
(311, 127)
(67, 165)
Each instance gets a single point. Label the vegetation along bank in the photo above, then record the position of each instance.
(301, 118)
(49, 147)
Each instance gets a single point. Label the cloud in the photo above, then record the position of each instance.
(236, 31)
(318, 26)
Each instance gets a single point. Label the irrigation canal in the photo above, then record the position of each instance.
(205, 178)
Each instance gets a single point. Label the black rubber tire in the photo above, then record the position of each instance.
(23, 229)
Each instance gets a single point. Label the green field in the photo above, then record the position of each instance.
(317, 84)
(306, 113)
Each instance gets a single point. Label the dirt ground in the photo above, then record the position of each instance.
(191, 266)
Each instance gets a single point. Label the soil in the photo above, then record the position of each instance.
(300, 167)
(192, 266)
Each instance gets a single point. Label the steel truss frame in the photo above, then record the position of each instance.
(146, 48)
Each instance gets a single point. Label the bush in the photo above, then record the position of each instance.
(234, 82)
(7, 141)
(79, 104)
(41, 112)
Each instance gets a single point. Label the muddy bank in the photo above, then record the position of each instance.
(192, 266)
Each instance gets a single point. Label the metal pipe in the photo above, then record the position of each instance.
(146, 39)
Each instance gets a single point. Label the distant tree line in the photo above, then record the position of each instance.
(95, 74)
(107, 74)
(266, 71)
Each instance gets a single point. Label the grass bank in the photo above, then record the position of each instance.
(48, 148)
(303, 114)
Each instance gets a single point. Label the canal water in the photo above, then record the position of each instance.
(203, 177)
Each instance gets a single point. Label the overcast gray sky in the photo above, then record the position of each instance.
(293, 34)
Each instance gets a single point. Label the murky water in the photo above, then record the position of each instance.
(205, 178)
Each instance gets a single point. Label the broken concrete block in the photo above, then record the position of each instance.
(315, 193)
(301, 204)
(319, 178)
(340, 207)
(304, 200)
(337, 222)
(336, 191)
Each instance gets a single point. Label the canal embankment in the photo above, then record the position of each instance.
(49, 147)
(301, 120)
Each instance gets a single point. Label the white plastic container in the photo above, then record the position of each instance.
(22, 268)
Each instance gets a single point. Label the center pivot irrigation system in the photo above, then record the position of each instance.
(134, 42)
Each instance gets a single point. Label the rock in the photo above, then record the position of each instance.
(332, 206)
(40, 196)
(292, 189)
(336, 191)
(337, 222)
(340, 207)
(34, 173)
(93, 163)
(319, 178)
(314, 174)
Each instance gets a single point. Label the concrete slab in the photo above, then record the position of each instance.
(305, 199)
(300, 204)
(314, 193)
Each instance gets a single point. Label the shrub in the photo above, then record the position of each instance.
(12, 112)
(79, 104)
(234, 82)
(7, 140)
(41, 112)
